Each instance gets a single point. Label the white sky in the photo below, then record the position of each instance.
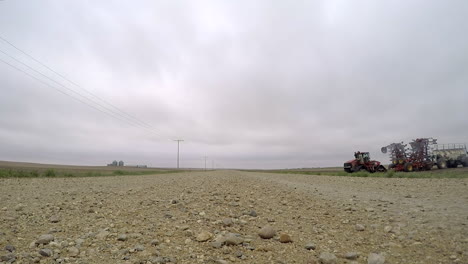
(250, 84)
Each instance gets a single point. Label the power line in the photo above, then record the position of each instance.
(120, 112)
(61, 91)
(75, 92)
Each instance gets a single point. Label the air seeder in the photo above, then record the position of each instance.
(416, 157)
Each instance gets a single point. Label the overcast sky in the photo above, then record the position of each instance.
(250, 84)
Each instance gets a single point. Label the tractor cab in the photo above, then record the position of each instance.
(363, 157)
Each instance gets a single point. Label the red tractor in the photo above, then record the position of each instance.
(362, 162)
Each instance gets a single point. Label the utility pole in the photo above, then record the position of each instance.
(178, 141)
(205, 162)
(212, 164)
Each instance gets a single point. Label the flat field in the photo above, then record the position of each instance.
(216, 217)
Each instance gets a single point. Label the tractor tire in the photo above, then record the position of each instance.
(391, 166)
(441, 163)
(409, 167)
(381, 168)
(429, 166)
(465, 162)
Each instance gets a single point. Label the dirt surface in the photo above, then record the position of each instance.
(216, 217)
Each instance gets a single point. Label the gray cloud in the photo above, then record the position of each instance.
(258, 84)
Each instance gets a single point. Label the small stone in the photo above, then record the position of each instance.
(103, 234)
(8, 258)
(360, 227)
(310, 246)
(139, 248)
(10, 248)
(73, 252)
(232, 239)
(221, 261)
(388, 229)
(267, 232)
(285, 238)
(253, 213)
(19, 207)
(351, 255)
(155, 242)
(45, 252)
(45, 239)
(227, 222)
(375, 259)
(327, 258)
(122, 237)
(204, 236)
(54, 219)
(216, 244)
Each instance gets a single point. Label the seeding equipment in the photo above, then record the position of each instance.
(416, 157)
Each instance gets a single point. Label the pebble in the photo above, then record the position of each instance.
(267, 232)
(360, 227)
(310, 246)
(73, 252)
(227, 222)
(122, 237)
(155, 242)
(351, 255)
(204, 236)
(54, 219)
(253, 213)
(387, 229)
(374, 258)
(327, 258)
(232, 239)
(45, 252)
(8, 258)
(45, 239)
(139, 248)
(10, 248)
(285, 238)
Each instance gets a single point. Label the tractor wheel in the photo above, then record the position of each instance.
(465, 162)
(429, 166)
(391, 166)
(409, 167)
(381, 168)
(441, 163)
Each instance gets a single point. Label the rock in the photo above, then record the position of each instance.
(19, 207)
(253, 213)
(351, 255)
(227, 222)
(327, 258)
(154, 242)
(122, 237)
(267, 232)
(374, 258)
(285, 238)
(73, 252)
(217, 244)
(359, 227)
(8, 258)
(310, 246)
(139, 248)
(204, 236)
(54, 219)
(10, 248)
(45, 239)
(232, 239)
(103, 234)
(45, 252)
(221, 261)
(312, 260)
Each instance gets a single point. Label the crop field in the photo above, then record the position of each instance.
(459, 172)
(32, 170)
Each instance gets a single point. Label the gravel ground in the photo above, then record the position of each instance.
(233, 217)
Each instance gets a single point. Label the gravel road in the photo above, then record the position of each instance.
(233, 217)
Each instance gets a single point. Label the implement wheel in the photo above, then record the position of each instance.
(409, 167)
(441, 163)
(381, 168)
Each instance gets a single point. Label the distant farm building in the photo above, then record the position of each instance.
(116, 164)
